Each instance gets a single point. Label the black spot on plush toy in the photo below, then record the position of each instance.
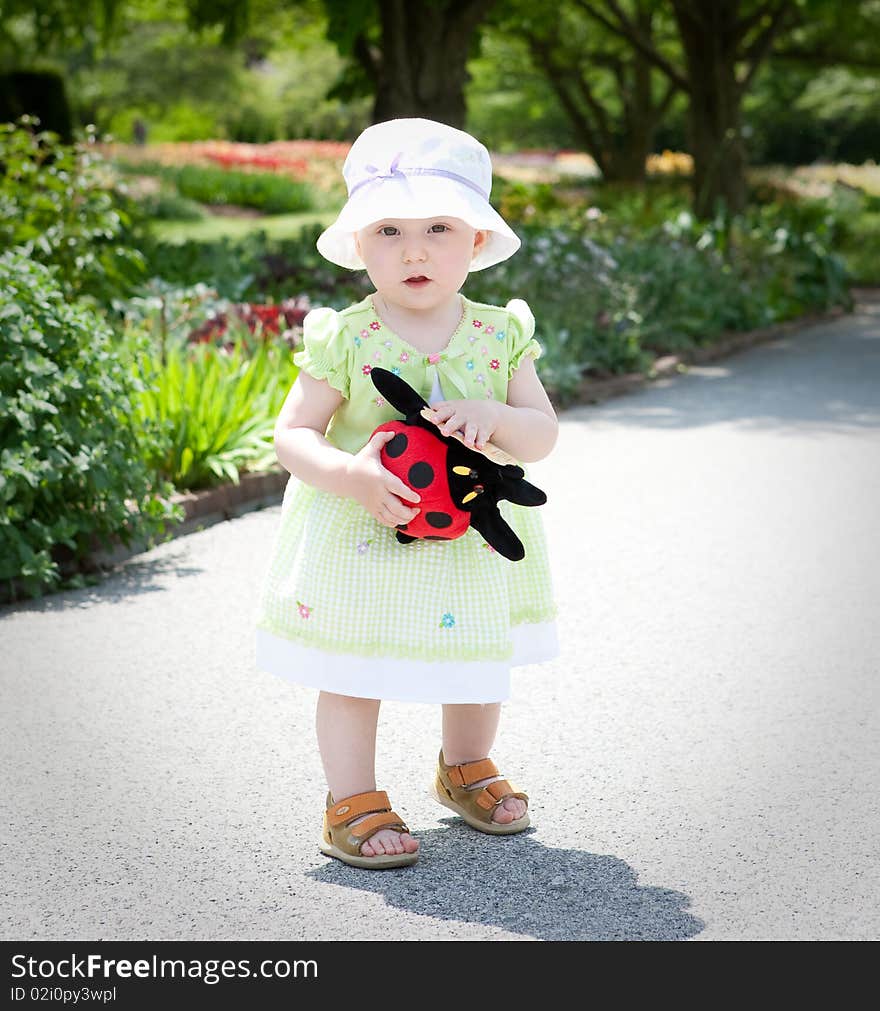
(459, 487)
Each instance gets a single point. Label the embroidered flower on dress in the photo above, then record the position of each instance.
(380, 401)
(375, 326)
(447, 621)
(365, 333)
(478, 323)
(366, 369)
(499, 336)
(469, 364)
(362, 546)
(481, 378)
(357, 342)
(484, 350)
(387, 344)
(495, 364)
(377, 356)
(404, 356)
(489, 329)
(473, 338)
(395, 370)
(304, 610)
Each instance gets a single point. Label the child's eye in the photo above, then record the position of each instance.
(384, 229)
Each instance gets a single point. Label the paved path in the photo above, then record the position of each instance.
(703, 758)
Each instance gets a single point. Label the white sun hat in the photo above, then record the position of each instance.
(417, 168)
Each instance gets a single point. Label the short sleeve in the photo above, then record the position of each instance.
(520, 335)
(326, 354)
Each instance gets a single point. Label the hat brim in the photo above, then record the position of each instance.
(416, 197)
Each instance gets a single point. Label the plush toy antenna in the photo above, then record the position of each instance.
(398, 393)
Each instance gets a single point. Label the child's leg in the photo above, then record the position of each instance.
(468, 735)
(346, 729)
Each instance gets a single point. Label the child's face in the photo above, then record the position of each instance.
(440, 249)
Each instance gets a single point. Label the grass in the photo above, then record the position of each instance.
(216, 226)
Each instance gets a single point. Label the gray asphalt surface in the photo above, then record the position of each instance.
(702, 759)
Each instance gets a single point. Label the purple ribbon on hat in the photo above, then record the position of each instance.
(394, 172)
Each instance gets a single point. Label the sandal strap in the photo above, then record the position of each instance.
(343, 811)
(371, 825)
(471, 772)
(492, 794)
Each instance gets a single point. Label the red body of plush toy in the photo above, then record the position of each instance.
(418, 458)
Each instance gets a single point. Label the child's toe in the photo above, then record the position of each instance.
(508, 811)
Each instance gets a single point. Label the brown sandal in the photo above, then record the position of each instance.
(344, 842)
(476, 806)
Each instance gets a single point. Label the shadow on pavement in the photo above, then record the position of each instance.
(129, 578)
(519, 885)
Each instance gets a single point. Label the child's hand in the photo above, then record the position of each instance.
(476, 419)
(376, 488)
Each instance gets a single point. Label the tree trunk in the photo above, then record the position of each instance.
(627, 162)
(423, 68)
(628, 155)
(710, 40)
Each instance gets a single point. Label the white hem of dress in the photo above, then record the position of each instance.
(392, 679)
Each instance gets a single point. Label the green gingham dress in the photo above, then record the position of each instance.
(344, 607)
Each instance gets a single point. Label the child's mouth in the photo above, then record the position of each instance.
(417, 282)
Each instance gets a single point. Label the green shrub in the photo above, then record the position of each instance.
(265, 191)
(71, 463)
(608, 298)
(257, 268)
(272, 194)
(59, 204)
(168, 205)
(216, 408)
(783, 254)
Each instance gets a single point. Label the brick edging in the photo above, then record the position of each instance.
(227, 499)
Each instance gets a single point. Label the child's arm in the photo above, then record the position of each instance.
(526, 426)
(303, 450)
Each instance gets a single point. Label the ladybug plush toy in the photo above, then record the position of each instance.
(459, 487)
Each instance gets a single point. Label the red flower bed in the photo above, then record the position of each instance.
(286, 157)
(270, 319)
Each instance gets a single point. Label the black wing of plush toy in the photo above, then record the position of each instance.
(477, 483)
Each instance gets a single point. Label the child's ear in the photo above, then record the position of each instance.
(480, 237)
